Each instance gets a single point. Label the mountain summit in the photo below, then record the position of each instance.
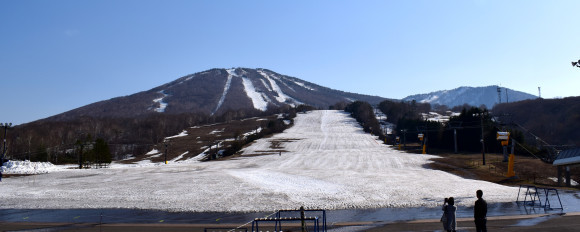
(475, 96)
(216, 91)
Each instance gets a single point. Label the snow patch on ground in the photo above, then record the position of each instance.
(256, 97)
(217, 131)
(253, 132)
(572, 182)
(182, 134)
(179, 157)
(152, 152)
(27, 167)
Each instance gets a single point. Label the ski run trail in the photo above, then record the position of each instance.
(326, 162)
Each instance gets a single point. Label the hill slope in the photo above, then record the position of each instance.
(474, 96)
(216, 91)
(327, 162)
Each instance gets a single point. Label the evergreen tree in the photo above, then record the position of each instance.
(101, 152)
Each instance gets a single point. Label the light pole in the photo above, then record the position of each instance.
(6, 126)
(404, 139)
(482, 140)
(455, 125)
(166, 143)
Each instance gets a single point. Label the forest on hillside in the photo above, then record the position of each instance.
(539, 126)
(59, 141)
(556, 121)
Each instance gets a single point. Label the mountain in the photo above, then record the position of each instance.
(475, 96)
(216, 91)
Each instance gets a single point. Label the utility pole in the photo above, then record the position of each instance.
(302, 218)
(6, 126)
(165, 152)
(82, 146)
(482, 140)
(405, 139)
(455, 125)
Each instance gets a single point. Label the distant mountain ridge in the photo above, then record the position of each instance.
(216, 91)
(475, 96)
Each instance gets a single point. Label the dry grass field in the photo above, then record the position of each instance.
(528, 170)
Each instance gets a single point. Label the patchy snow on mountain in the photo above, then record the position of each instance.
(304, 85)
(226, 89)
(256, 97)
(474, 96)
(282, 97)
(281, 81)
(162, 104)
(266, 85)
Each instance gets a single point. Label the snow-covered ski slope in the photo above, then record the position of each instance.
(327, 162)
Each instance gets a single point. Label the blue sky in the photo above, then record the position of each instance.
(59, 55)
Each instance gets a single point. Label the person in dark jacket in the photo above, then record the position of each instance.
(444, 216)
(449, 211)
(480, 212)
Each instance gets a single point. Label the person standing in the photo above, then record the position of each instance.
(444, 216)
(449, 211)
(480, 212)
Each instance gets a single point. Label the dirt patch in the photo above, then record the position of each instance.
(528, 170)
(201, 138)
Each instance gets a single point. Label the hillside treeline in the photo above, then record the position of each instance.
(58, 141)
(556, 121)
(364, 114)
(409, 123)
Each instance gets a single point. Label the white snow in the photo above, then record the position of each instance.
(182, 134)
(231, 74)
(256, 97)
(430, 99)
(436, 117)
(179, 157)
(304, 85)
(162, 104)
(253, 132)
(27, 167)
(572, 182)
(217, 131)
(280, 79)
(265, 84)
(282, 97)
(152, 152)
(328, 163)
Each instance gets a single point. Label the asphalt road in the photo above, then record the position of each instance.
(538, 222)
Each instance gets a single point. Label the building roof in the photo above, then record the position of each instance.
(567, 157)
